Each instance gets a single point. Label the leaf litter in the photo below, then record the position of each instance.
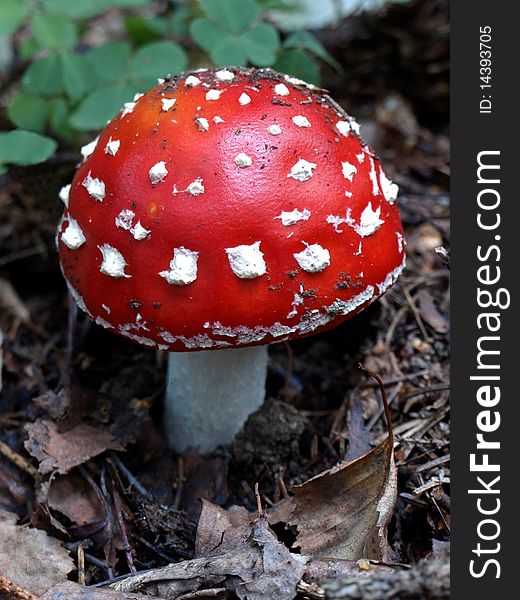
(39, 561)
(340, 514)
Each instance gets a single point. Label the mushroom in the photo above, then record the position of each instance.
(222, 211)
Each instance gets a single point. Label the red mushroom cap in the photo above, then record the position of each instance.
(228, 208)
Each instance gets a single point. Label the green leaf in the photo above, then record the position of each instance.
(298, 64)
(79, 9)
(275, 5)
(12, 13)
(222, 46)
(27, 49)
(261, 44)
(29, 112)
(206, 34)
(53, 31)
(130, 3)
(101, 105)
(143, 30)
(305, 40)
(78, 75)
(157, 60)
(234, 15)
(110, 61)
(59, 118)
(25, 147)
(229, 52)
(44, 77)
(179, 22)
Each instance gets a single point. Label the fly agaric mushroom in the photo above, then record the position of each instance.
(219, 212)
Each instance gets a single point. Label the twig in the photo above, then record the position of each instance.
(157, 551)
(432, 463)
(381, 409)
(118, 505)
(430, 485)
(422, 441)
(395, 321)
(388, 417)
(20, 254)
(18, 460)
(416, 314)
(132, 480)
(281, 482)
(395, 380)
(81, 565)
(207, 593)
(259, 507)
(436, 504)
(101, 564)
(432, 388)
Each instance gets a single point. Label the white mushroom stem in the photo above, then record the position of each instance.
(210, 394)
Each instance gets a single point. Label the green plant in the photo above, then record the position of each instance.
(69, 88)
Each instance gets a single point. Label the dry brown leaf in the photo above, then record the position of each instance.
(344, 512)
(29, 557)
(220, 530)
(70, 505)
(259, 567)
(242, 558)
(430, 313)
(72, 496)
(67, 590)
(356, 431)
(62, 452)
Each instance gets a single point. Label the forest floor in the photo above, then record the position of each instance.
(82, 455)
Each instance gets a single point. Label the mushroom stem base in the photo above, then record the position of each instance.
(209, 395)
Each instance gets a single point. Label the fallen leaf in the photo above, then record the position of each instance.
(356, 431)
(221, 530)
(52, 404)
(430, 313)
(344, 512)
(72, 496)
(71, 506)
(62, 451)
(67, 590)
(279, 572)
(242, 557)
(259, 567)
(29, 557)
